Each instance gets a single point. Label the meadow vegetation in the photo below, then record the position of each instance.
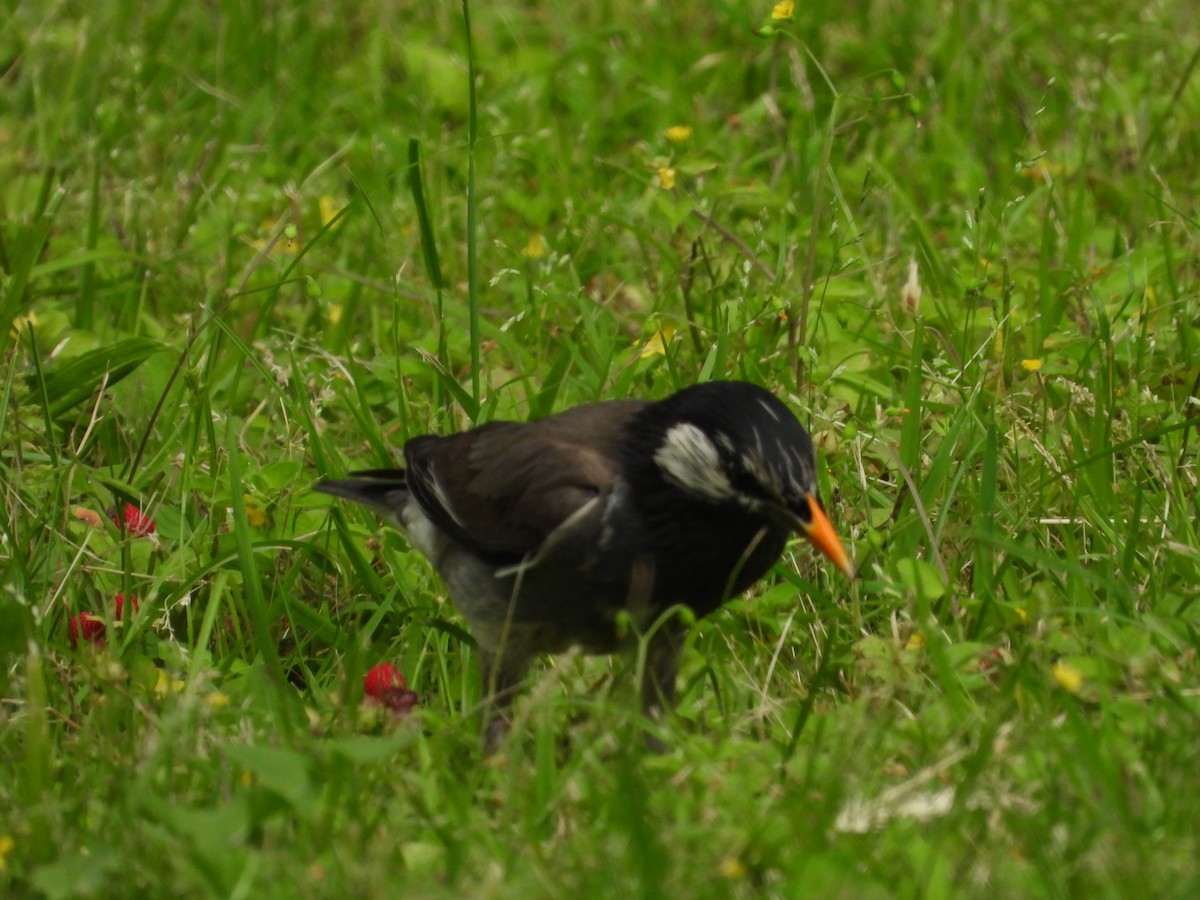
(249, 244)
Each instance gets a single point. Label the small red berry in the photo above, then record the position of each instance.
(119, 600)
(87, 627)
(138, 523)
(400, 701)
(382, 678)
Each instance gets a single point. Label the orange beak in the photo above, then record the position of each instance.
(820, 533)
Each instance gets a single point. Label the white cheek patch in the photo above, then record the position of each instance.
(689, 460)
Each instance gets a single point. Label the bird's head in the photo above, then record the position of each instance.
(728, 442)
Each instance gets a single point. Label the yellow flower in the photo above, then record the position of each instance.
(166, 684)
(20, 324)
(916, 641)
(1042, 170)
(666, 178)
(217, 699)
(256, 516)
(657, 344)
(1031, 365)
(535, 248)
(334, 313)
(329, 208)
(732, 868)
(1021, 614)
(1068, 677)
(677, 134)
(6, 846)
(783, 10)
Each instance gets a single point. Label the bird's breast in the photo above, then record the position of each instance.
(707, 555)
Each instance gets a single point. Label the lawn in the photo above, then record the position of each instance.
(246, 245)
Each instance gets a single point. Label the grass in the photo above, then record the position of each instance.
(248, 245)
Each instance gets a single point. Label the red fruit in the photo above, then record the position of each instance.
(400, 701)
(119, 600)
(382, 678)
(138, 523)
(90, 627)
(86, 626)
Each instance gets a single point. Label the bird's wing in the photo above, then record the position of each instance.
(502, 489)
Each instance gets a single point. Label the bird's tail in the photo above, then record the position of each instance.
(383, 490)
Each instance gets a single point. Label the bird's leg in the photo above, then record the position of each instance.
(502, 676)
(659, 674)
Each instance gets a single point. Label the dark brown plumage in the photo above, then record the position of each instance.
(549, 533)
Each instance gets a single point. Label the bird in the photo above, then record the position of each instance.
(597, 523)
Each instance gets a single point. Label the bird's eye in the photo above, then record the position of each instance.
(745, 482)
(803, 509)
